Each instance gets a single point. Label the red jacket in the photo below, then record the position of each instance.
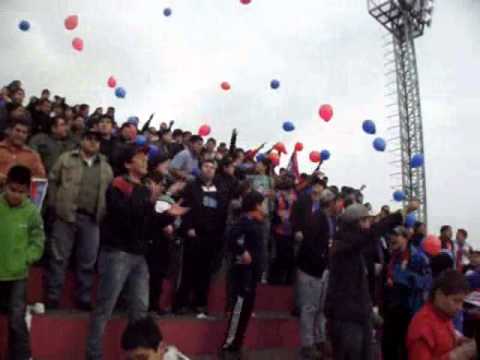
(431, 335)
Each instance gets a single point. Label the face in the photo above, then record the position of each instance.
(45, 94)
(18, 96)
(398, 242)
(129, 132)
(78, 123)
(163, 168)
(60, 130)
(58, 111)
(90, 145)
(19, 135)
(146, 354)
(111, 112)
(451, 304)
(179, 139)
(230, 169)
(422, 229)
(163, 126)
(15, 194)
(18, 112)
(45, 107)
(105, 126)
(460, 237)
(208, 170)
(186, 138)
(167, 138)
(260, 168)
(365, 223)
(68, 113)
(211, 146)
(197, 147)
(448, 233)
(138, 166)
(85, 111)
(317, 190)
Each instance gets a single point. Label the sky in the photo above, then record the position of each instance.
(322, 52)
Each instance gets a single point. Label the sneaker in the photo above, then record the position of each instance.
(202, 316)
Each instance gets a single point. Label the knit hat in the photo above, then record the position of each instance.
(354, 213)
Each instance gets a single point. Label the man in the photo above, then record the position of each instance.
(177, 142)
(13, 151)
(461, 250)
(51, 146)
(348, 305)
(126, 138)
(431, 334)
(186, 163)
(446, 234)
(419, 233)
(164, 142)
(45, 94)
(107, 142)
(78, 183)
(209, 152)
(312, 263)
(111, 112)
(22, 241)
(125, 237)
(41, 116)
(203, 228)
(77, 128)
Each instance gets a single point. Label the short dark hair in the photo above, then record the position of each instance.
(105, 116)
(212, 140)
(450, 282)
(252, 200)
(143, 333)
(55, 120)
(464, 232)
(445, 228)
(23, 121)
(209, 161)
(177, 132)
(195, 138)
(185, 133)
(19, 174)
(317, 181)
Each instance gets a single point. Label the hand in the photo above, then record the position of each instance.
(191, 233)
(176, 187)
(177, 210)
(168, 230)
(235, 132)
(298, 236)
(246, 258)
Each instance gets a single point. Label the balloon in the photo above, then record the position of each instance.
(167, 12)
(410, 220)
(111, 82)
(288, 126)
(379, 144)
(204, 130)
(140, 140)
(432, 245)
(275, 84)
(399, 195)
(369, 127)
(245, 2)
(153, 151)
(298, 146)
(280, 147)
(326, 112)
(261, 157)
(225, 86)
(24, 25)
(417, 161)
(120, 92)
(325, 155)
(315, 157)
(71, 22)
(77, 44)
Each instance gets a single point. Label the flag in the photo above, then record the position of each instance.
(292, 167)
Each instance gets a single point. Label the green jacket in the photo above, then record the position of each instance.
(64, 185)
(21, 239)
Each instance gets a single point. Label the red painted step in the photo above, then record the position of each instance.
(63, 336)
(269, 298)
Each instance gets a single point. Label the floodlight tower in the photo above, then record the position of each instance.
(405, 20)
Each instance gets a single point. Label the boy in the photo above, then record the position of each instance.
(22, 243)
(247, 252)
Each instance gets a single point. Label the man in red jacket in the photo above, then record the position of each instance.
(431, 335)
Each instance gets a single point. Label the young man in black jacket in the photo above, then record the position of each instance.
(246, 246)
(348, 305)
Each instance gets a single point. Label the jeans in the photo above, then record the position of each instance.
(119, 269)
(351, 340)
(14, 297)
(83, 236)
(311, 296)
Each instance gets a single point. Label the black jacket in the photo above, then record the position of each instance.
(302, 216)
(313, 254)
(348, 297)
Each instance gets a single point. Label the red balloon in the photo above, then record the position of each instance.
(432, 245)
(204, 130)
(274, 159)
(225, 86)
(77, 44)
(112, 82)
(315, 156)
(245, 2)
(326, 112)
(280, 147)
(298, 146)
(71, 22)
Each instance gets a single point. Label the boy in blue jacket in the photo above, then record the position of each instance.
(247, 251)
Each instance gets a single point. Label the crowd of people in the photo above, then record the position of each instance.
(122, 200)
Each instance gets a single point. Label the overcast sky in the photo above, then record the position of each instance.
(322, 51)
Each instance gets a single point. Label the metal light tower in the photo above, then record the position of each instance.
(405, 20)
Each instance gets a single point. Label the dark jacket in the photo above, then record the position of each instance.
(302, 215)
(129, 216)
(50, 148)
(313, 254)
(348, 297)
(118, 149)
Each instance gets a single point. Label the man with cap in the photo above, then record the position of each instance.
(348, 304)
(125, 235)
(76, 197)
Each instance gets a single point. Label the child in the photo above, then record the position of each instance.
(247, 249)
(22, 243)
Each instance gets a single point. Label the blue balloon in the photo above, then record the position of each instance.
(379, 144)
(120, 92)
(325, 155)
(399, 195)
(369, 127)
(153, 151)
(140, 140)
(275, 84)
(410, 220)
(288, 126)
(417, 161)
(261, 157)
(167, 11)
(24, 25)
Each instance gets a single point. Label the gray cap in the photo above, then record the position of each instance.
(326, 196)
(354, 213)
